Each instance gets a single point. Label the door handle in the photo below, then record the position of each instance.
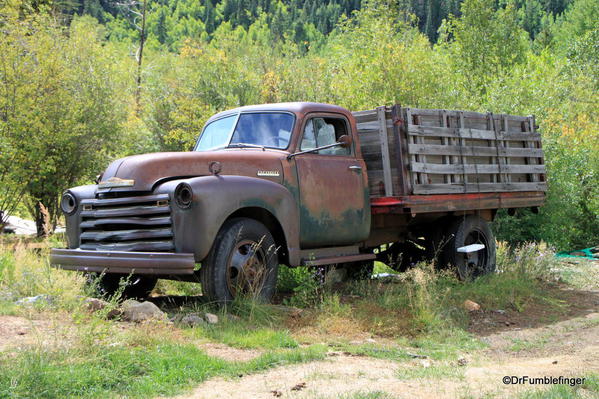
(355, 168)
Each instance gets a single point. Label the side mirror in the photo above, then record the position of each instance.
(345, 141)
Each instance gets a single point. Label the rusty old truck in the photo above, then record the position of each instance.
(305, 184)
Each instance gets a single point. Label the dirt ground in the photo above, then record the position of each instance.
(532, 343)
(518, 344)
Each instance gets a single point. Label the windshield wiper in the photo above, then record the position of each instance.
(241, 145)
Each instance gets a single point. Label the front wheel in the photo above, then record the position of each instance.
(243, 261)
(463, 232)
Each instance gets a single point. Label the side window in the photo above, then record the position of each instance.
(323, 131)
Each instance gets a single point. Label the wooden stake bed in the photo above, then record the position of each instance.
(411, 152)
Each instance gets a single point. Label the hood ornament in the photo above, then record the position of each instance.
(116, 182)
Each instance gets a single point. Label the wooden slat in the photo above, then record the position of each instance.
(438, 131)
(385, 151)
(530, 160)
(506, 160)
(400, 168)
(471, 151)
(478, 187)
(435, 168)
(444, 140)
(461, 143)
(493, 143)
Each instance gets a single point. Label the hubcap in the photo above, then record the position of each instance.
(246, 268)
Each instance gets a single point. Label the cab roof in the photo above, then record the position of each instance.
(298, 108)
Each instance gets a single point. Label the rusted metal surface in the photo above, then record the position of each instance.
(333, 190)
(155, 263)
(455, 202)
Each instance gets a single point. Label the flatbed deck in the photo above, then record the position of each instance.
(414, 204)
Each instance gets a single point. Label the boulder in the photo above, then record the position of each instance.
(471, 306)
(211, 318)
(192, 320)
(138, 312)
(95, 304)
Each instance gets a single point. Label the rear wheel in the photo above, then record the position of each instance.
(358, 270)
(128, 286)
(465, 231)
(243, 261)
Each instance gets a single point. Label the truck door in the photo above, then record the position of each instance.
(333, 187)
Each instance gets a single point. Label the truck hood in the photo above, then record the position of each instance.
(143, 172)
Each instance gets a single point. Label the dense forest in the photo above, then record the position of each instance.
(170, 21)
(86, 81)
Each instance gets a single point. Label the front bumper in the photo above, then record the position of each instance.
(155, 263)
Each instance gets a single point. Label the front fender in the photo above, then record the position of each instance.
(215, 198)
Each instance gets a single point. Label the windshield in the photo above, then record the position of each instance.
(268, 129)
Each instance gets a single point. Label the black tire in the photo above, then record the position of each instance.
(108, 285)
(464, 231)
(243, 260)
(358, 270)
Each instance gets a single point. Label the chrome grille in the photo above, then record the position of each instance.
(141, 223)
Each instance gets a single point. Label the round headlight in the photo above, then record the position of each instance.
(183, 195)
(68, 203)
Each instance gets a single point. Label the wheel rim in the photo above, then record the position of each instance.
(476, 262)
(246, 268)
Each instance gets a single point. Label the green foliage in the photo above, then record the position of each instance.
(305, 283)
(484, 44)
(62, 115)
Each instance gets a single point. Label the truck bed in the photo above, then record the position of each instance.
(420, 157)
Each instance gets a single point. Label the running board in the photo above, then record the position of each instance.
(331, 256)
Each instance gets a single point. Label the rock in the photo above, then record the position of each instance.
(192, 320)
(416, 356)
(211, 318)
(471, 306)
(95, 304)
(34, 300)
(137, 312)
(299, 387)
(500, 311)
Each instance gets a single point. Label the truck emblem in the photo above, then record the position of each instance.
(268, 173)
(116, 182)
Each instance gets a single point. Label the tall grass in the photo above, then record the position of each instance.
(424, 300)
(26, 272)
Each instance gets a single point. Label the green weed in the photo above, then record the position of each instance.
(134, 371)
(589, 389)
